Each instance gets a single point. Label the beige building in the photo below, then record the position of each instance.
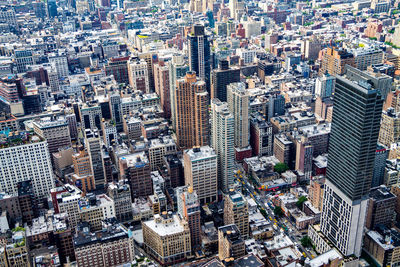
(138, 75)
(390, 128)
(94, 209)
(56, 133)
(191, 112)
(334, 61)
(230, 243)
(167, 239)
(236, 212)
(81, 162)
(201, 173)
(316, 192)
(17, 250)
(158, 148)
(238, 101)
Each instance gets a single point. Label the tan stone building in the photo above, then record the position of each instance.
(390, 128)
(230, 243)
(316, 192)
(236, 212)
(334, 61)
(167, 239)
(191, 112)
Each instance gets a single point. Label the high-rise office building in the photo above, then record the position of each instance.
(324, 85)
(120, 193)
(177, 69)
(93, 144)
(352, 145)
(191, 112)
(150, 59)
(236, 212)
(238, 100)
(56, 132)
(162, 87)
(138, 75)
(27, 158)
(23, 58)
(189, 210)
(60, 61)
(381, 155)
(118, 67)
(201, 172)
(221, 77)
(379, 81)
(261, 137)
(334, 61)
(52, 8)
(136, 169)
(230, 242)
(111, 246)
(91, 116)
(222, 140)
(199, 54)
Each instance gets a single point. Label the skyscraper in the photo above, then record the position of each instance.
(22, 158)
(189, 210)
(191, 112)
(201, 172)
(354, 134)
(238, 100)
(199, 54)
(136, 169)
(221, 78)
(222, 140)
(162, 87)
(177, 69)
(236, 212)
(93, 144)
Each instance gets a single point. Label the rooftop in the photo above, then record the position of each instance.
(165, 226)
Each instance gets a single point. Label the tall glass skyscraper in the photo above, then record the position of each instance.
(355, 129)
(199, 54)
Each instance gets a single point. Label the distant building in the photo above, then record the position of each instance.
(334, 61)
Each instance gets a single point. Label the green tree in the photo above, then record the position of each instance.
(300, 202)
(264, 213)
(306, 241)
(278, 211)
(281, 167)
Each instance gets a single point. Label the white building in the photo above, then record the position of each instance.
(138, 75)
(61, 64)
(238, 100)
(26, 161)
(222, 140)
(349, 235)
(158, 148)
(324, 86)
(247, 55)
(201, 172)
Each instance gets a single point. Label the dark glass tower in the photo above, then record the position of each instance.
(199, 54)
(354, 134)
(221, 78)
(352, 145)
